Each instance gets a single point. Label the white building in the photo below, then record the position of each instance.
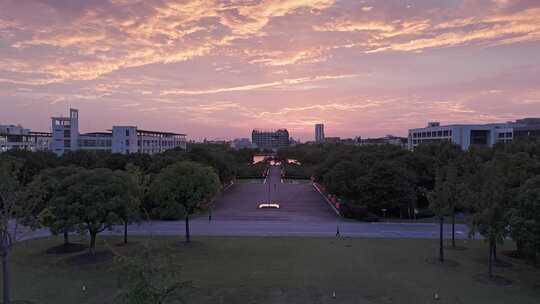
(65, 132)
(319, 133)
(121, 139)
(462, 135)
(18, 138)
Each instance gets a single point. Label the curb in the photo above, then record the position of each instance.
(327, 200)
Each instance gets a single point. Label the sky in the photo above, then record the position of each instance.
(217, 69)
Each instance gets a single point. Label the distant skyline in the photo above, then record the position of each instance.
(218, 69)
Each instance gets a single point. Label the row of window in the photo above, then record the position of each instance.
(420, 141)
(505, 135)
(432, 134)
(95, 143)
(147, 143)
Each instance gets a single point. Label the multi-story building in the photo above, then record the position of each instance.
(121, 139)
(18, 138)
(65, 132)
(527, 128)
(270, 140)
(319, 133)
(387, 140)
(241, 143)
(477, 134)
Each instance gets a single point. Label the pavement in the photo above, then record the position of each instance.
(303, 212)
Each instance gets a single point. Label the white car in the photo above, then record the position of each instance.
(268, 206)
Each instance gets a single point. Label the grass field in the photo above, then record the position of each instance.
(285, 270)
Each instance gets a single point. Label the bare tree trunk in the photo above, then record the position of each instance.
(495, 252)
(519, 247)
(188, 238)
(441, 249)
(490, 270)
(125, 232)
(93, 242)
(66, 237)
(454, 229)
(6, 277)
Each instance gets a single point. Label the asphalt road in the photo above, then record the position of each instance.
(303, 212)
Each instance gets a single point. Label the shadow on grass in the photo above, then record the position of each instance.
(446, 264)
(492, 280)
(457, 248)
(66, 248)
(498, 263)
(128, 244)
(89, 259)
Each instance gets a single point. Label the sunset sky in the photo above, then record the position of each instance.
(218, 69)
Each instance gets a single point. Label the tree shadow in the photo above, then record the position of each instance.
(91, 259)
(495, 280)
(67, 248)
(457, 248)
(446, 264)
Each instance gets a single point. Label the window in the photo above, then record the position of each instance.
(127, 142)
(127, 132)
(445, 133)
(439, 133)
(428, 134)
(450, 133)
(509, 134)
(500, 135)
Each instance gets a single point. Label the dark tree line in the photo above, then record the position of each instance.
(498, 187)
(91, 192)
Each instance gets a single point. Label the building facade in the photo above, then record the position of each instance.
(241, 143)
(270, 140)
(387, 140)
(319, 133)
(466, 136)
(18, 138)
(121, 139)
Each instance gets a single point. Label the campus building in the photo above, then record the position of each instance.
(387, 140)
(319, 133)
(270, 140)
(18, 138)
(241, 143)
(121, 139)
(475, 134)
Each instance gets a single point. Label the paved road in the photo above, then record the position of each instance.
(303, 212)
(298, 202)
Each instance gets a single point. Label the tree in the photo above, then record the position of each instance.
(10, 192)
(183, 188)
(524, 218)
(455, 195)
(489, 196)
(129, 210)
(45, 200)
(99, 198)
(438, 202)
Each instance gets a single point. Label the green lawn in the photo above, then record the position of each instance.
(285, 270)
